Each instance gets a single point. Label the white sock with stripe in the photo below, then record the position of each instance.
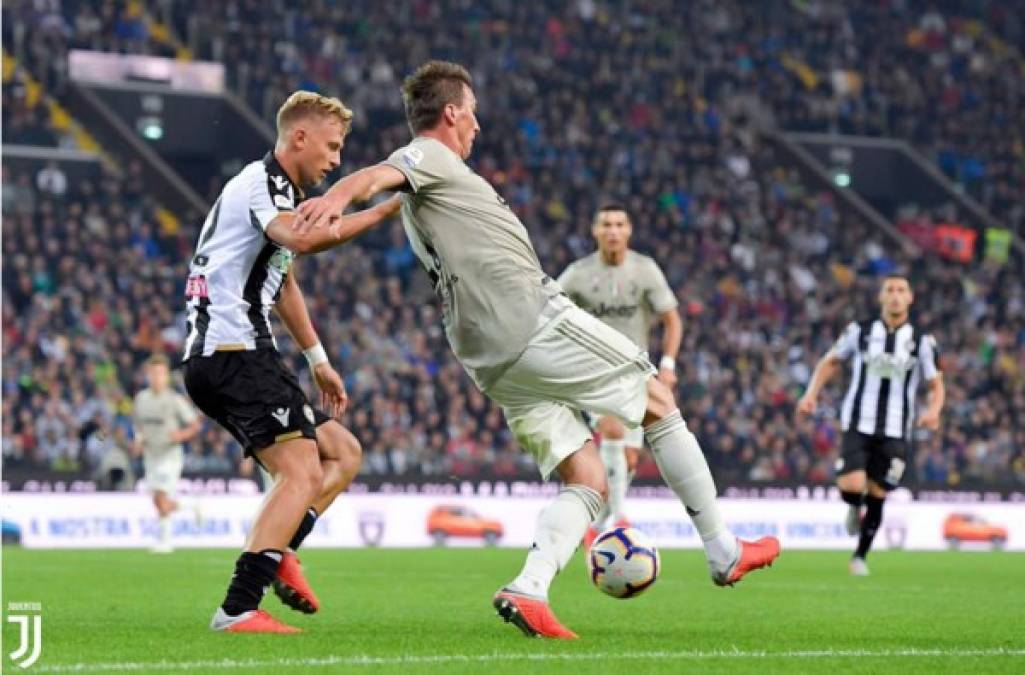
(685, 470)
(560, 527)
(613, 454)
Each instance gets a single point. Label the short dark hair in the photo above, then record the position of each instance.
(895, 275)
(427, 91)
(611, 206)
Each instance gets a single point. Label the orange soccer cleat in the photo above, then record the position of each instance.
(753, 555)
(533, 616)
(253, 621)
(291, 586)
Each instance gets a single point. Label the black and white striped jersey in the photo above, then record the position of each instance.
(886, 370)
(237, 271)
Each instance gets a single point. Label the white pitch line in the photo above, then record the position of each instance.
(353, 661)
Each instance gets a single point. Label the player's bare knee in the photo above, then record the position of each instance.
(335, 442)
(352, 453)
(593, 475)
(313, 479)
(585, 468)
(876, 490)
(611, 428)
(660, 401)
(851, 482)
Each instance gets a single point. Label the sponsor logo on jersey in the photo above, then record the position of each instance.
(282, 260)
(615, 311)
(195, 287)
(889, 365)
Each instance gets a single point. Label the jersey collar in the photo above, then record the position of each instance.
(274, 168)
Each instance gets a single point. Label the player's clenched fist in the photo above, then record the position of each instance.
(806, 406)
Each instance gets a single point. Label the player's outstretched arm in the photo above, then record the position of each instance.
(341, 230)
(824, 371)
(359, 187)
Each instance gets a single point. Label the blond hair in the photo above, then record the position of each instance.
(309, 103)
(158, 359)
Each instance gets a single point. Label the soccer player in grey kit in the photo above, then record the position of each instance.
(626, 290)
(527, 346)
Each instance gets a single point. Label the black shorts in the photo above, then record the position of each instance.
(882, 459)
(252, 395)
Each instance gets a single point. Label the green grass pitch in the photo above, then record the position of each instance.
(415, 611)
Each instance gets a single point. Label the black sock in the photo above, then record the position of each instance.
(869, 524)
(253, 573)
(855, 499)
(304, 529)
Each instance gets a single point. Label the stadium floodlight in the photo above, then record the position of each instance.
(150, 128)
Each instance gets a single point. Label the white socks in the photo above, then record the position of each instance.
(685, 470)
(613, 454)
(560, 527)
(164, 533)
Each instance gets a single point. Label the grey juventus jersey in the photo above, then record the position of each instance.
(886, 370)
(477, 254)
(625, 296)
(237, 272)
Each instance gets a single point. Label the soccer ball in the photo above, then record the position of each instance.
(623, 562)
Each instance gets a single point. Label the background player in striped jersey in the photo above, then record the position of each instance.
(891, 355)
(626, 290)
(243, 267)
(162, 419)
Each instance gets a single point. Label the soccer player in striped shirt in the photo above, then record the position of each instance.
(243, 267)
(889, 356)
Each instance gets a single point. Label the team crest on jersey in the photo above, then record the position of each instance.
(282, 260)
(412, 157)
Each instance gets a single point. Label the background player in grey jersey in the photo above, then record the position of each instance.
(527, 346)
(626, 290)
(890, 357)
(163, 420)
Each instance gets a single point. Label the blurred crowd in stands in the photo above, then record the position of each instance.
(605, 101)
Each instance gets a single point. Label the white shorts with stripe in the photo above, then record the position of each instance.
(573, 362)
